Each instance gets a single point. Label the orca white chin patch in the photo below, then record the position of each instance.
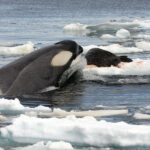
(61, 58)
(47, 89)
(77, 60)
(77, 65)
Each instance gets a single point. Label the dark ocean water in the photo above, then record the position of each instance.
(42, 22)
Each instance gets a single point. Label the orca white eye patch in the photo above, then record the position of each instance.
(61, 58)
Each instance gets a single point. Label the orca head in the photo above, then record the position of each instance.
(78, 61)
(71, 46)
(67, 60)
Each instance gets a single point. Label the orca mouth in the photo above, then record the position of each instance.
(79, 50)
(77, 64)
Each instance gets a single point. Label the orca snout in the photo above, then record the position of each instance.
(80, 49)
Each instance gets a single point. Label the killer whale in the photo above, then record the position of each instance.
(41, 70)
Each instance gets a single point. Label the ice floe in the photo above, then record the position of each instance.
(144, 45)
(48, 146)
(134, 72)
(107, 27)
(108, 36)
(14, 106)
(75, 27)
(95, 113)
(80, 131)
(137, 67)
(123, 33)
(143, 36)
(10, 106)
(17, 50)
(141, 116)
(2, 118)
